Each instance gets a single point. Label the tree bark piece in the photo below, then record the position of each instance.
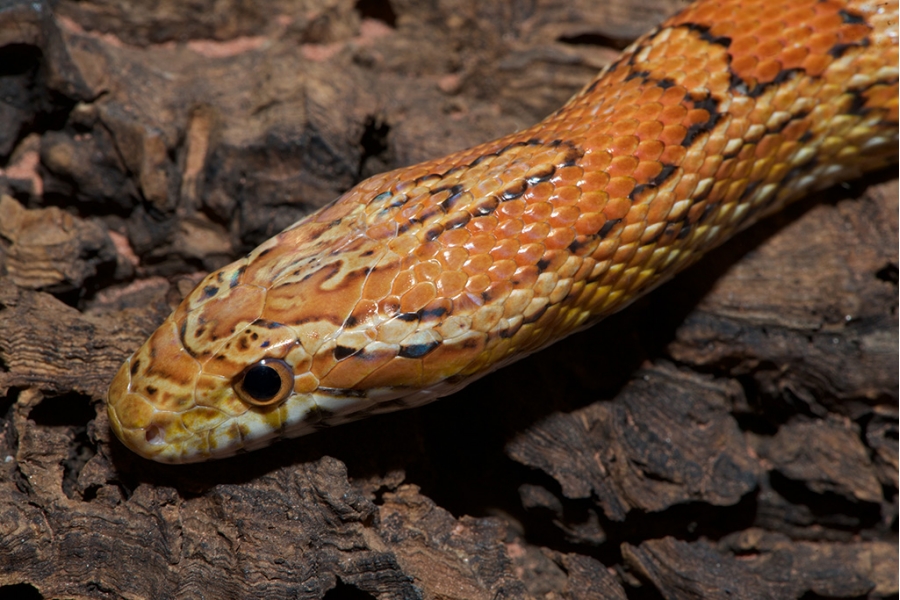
(734, 431)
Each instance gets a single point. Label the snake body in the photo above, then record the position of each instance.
(417, 281)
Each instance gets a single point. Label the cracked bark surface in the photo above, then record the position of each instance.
(734, 432)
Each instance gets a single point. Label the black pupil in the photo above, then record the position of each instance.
(262, 382)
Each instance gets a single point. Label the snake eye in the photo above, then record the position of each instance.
(265, 383)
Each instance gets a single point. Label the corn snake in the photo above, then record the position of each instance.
(417, 281)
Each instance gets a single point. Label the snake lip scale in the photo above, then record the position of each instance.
(418, 281)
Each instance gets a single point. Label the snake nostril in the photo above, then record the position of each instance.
(154, 436)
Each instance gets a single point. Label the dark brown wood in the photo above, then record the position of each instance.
(733, 433)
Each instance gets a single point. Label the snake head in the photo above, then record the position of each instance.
(224, 373)
(214, 379)
(283, 343)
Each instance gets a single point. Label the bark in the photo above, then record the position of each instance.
(733, 433)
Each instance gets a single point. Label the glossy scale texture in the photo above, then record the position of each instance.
(417, 281)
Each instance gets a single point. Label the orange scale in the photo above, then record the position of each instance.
(672, 115)
(674, 153)
(560, 238)
(696, 211)
(534, 232)
(741, 107)
(830, 21)
(631, 234)
(623, 145)
(408, 261)
(399, 372)
(822, 42)
(786, 151)
(454, 237)
(540, 192)
(526, 275)
(597, 160)
(797, 20)
(734, 168)
(794, 56)
(555, 261)
(417, 297)
(382, 231)
(815, 64)
(779, 170)
(637, 214)
(502, 270)
(647, 171)
(564, 216)
(660, 206)
(622, 166)
(348, 373)
(648, 101)
(883, 96)
(686, 185)
(673, 96)
(402, 282)
(378, 282)
(478, 283)
(624, 127)
(760, 168)
(589, 224)
(593, 180)
(710, 166)
(719, 80)
(427, 270)
(744, 64)
(674, 62)
(509, 228)
(567, 176)
(617, 208)
(505, 249)
(715, 143)
(538, 211)
(409, 211)
(767, 70)
(770, 30)
(735, 190)
(499, 290)
(404, 245)
(650, 129)
(467, 302)
(364, 310)
(597, 140)
(626, 104)
(480, 224)
(512, 208)
(477, 264)
(696, 80)
(480, 243)
(769, 145)
(427, 250)
(620, 187)
(451, 283)
(854, 32)
(453, 258)
(451, 358)
(697, 116)
(567, 195)
(593, 201)
(389, 305)
(529, 254)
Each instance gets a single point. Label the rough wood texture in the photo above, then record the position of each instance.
(740, 440)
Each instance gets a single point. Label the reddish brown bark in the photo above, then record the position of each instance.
(735, 431)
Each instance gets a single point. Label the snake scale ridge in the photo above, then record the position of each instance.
(417, 281)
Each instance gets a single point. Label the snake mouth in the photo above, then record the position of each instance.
(140, 426)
